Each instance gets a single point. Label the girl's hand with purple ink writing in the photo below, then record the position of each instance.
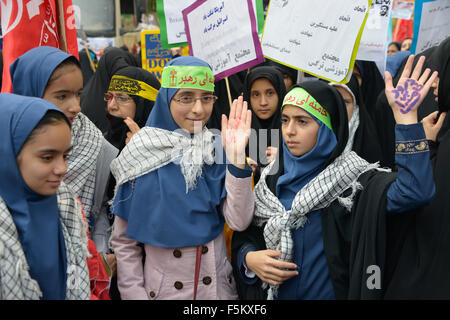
(410, 91)
(236, 132)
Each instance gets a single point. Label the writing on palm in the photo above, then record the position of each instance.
(408, 95)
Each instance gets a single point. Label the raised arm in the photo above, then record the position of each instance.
(414, 186)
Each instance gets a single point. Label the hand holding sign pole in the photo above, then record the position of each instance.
(410, 91)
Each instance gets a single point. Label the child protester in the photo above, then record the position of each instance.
(323, 221)
(175, 190)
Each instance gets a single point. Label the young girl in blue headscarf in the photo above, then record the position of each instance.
(51, 74)
(175, 191)
(325, 221)
(43, 237)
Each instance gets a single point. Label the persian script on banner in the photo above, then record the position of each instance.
(224, 34)
(172, 24)
(431, 24)
(319, 37)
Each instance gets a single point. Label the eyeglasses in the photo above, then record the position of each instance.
(190, 101)
(120, 99)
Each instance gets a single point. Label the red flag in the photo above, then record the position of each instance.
(27, 24)
(403, 29)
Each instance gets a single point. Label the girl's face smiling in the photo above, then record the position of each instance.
(191, 108)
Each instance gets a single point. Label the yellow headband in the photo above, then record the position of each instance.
(131, 86)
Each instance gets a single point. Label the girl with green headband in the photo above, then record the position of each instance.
(175, 191)
(323, 220)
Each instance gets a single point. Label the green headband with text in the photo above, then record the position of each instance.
(299, 97)
(191, 77)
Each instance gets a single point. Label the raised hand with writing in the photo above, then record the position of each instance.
(236, 132)
(410, 91)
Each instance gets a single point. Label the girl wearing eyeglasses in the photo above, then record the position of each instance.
(175, 190)
(130, 97)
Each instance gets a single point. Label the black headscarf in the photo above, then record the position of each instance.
(222, 105)
(274, 122)
(85, 64)
(366, 143)
(436, 58)
(292, 73)
(420, 271)
(117, 129)
(372, 83)
(92, 103)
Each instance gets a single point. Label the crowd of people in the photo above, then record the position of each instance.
(121, 186)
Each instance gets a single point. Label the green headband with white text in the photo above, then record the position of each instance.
(190, 77)
(299, 97)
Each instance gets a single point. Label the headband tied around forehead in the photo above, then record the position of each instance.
(190, 77)
(132, 86)
(299, 97)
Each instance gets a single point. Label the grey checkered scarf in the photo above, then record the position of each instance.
(319, 193)
(86, 146)
(15, 280)
(152, 148)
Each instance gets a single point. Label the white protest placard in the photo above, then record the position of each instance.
(172, 24)
(171, 21)
(223, 33)
(320, 37)
(374, 38)
(431, 24)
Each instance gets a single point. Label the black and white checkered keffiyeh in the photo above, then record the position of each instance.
(152, 148)
(86, 146)
(319, 193)
(15, 280)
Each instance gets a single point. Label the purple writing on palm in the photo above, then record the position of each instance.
(407, 96)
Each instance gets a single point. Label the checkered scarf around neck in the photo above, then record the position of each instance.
(86, 146)
(341, 172)
(319, 193)
(152, 148)
(15, 280)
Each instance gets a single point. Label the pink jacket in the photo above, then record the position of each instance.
(169, 273)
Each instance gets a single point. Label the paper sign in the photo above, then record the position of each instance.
(402, 10)
(172, 24)
(223, 33)
(320, 37)
(154, 57)
(171, 21)
(431, 24)
(375, 35)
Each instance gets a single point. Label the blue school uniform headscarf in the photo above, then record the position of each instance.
(159, 211)
(36, 217)
(27, 79)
